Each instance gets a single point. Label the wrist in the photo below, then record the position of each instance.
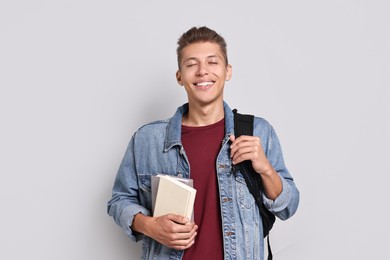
(267, 172)
(141, 223)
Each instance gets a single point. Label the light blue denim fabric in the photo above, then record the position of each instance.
(156, 148)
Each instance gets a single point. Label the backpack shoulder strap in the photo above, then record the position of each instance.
(243, 125)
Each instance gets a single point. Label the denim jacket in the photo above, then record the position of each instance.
(156, 148)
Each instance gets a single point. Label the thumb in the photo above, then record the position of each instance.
(179, 219)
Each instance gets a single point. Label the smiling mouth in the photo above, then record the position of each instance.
(204, 85)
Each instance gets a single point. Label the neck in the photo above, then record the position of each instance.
(205, 115)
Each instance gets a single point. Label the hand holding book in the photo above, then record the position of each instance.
(171, 230)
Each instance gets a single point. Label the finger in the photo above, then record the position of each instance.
(181, 239)
(244, 139)
(236, 141)
(183, 247)
(185, 229)
(179, 236)
(184, 243)
(178, 219)
(180, 224)
(243, 154)
(243, 144)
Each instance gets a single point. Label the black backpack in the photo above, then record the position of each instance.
(243, 125)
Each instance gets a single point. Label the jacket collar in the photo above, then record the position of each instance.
(173, 136)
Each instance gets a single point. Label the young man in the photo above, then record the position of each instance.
(198, 142)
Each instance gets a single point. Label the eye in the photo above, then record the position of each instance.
(213, 62)
(190, 65)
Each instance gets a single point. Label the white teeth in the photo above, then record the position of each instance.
(204, 83)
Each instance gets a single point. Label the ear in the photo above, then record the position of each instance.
(178, 78)
(228, 72)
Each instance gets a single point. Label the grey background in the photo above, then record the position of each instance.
(79, 77)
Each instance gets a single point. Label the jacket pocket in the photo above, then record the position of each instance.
(244, 197)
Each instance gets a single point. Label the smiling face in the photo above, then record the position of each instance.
(203, 73)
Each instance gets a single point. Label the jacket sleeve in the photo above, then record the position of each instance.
(286, 204)
(125, 204)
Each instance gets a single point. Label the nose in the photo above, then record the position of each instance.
(202, 70)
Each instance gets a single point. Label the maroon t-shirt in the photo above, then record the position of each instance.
(202, 145)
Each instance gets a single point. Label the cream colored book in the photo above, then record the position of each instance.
(173, 196)
(156, 179)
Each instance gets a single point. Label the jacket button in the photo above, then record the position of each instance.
(226, 199)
